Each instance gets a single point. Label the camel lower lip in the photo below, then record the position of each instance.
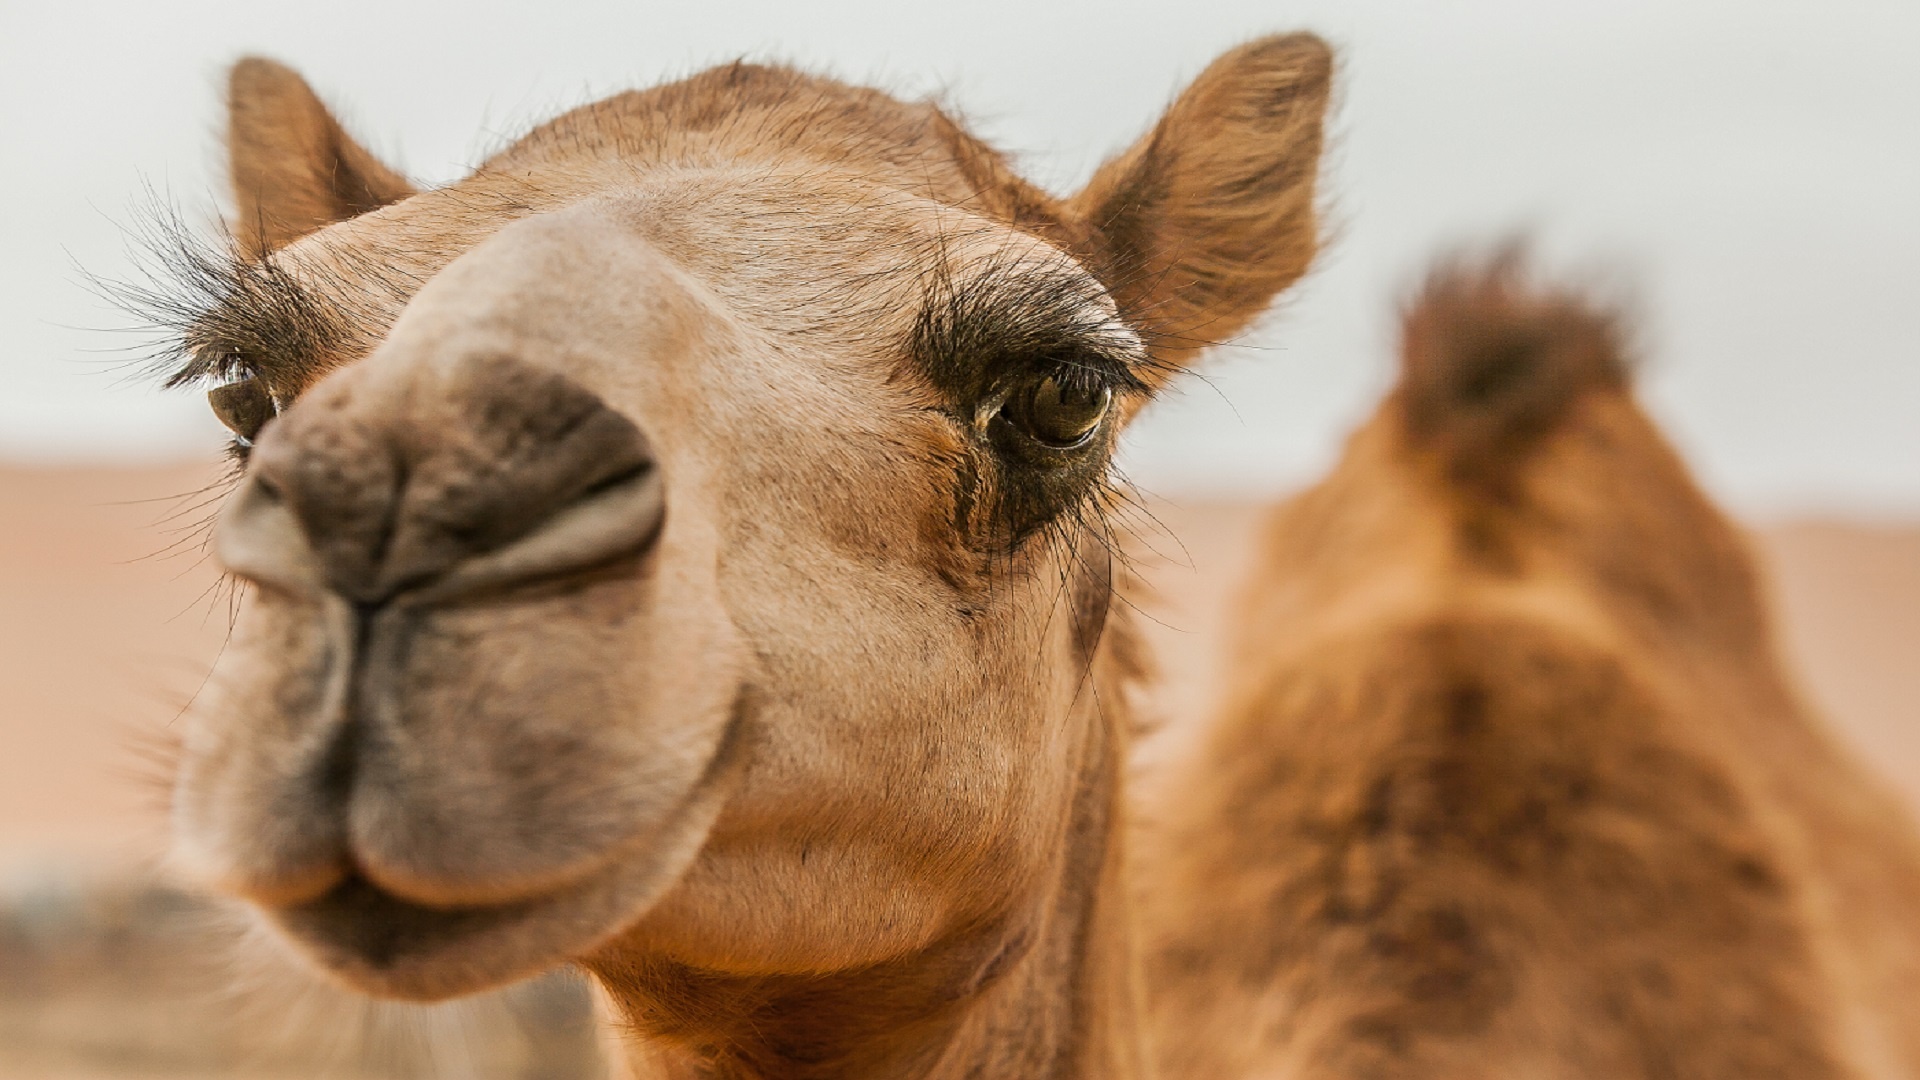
(366, 927)
(382, 945)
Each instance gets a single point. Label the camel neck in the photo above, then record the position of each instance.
(1048, 991)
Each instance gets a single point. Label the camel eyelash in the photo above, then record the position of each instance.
(1005, 322)
(216, 317)
(222, 364)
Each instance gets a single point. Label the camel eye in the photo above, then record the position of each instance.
(1060, 411)
(244, 406)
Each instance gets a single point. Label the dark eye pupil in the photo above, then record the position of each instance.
(1064, 413)
(244, 406)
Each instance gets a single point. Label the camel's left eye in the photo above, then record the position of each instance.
(1060, 411)
(244, 406)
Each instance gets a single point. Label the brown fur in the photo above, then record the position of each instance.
(818, 770)
(1512, 785)
(294, 168)
(1199, 270)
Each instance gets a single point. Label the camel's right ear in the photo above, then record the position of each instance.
(1202, 222)
(294, 168)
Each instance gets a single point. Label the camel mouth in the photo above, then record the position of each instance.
(382, 944)
(380, 929)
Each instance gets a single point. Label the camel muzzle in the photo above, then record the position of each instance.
(391, 515)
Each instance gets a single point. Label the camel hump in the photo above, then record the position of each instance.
(1493, 361)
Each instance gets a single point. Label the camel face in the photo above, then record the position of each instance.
(682, 540)
(594, 535)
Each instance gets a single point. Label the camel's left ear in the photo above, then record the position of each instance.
(294, 168)
(1202, 222)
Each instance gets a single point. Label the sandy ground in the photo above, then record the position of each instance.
(104, 634)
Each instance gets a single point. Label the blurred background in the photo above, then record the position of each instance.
(1746, 173)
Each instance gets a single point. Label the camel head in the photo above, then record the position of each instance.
(678, 546)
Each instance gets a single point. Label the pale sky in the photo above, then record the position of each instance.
(1747, 170)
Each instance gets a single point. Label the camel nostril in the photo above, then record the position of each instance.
(617, 518)
(393, 492)
(632, 475)
(261, 540)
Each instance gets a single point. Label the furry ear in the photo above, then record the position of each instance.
(1202, 222)
(294, 168)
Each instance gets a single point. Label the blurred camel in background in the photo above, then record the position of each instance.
(1510, 783)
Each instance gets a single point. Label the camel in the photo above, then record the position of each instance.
(1509, 781)
(681, 548)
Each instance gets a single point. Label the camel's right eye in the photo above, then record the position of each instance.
(244, 406)
(1061, 412)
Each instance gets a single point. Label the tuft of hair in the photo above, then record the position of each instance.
(1492, 362)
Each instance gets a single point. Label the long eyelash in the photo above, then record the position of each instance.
(1028, 314)
(212, 315)
(1081, 374)
(182, 278)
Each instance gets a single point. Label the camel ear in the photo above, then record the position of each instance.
(294, 168)
(1205, 220)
